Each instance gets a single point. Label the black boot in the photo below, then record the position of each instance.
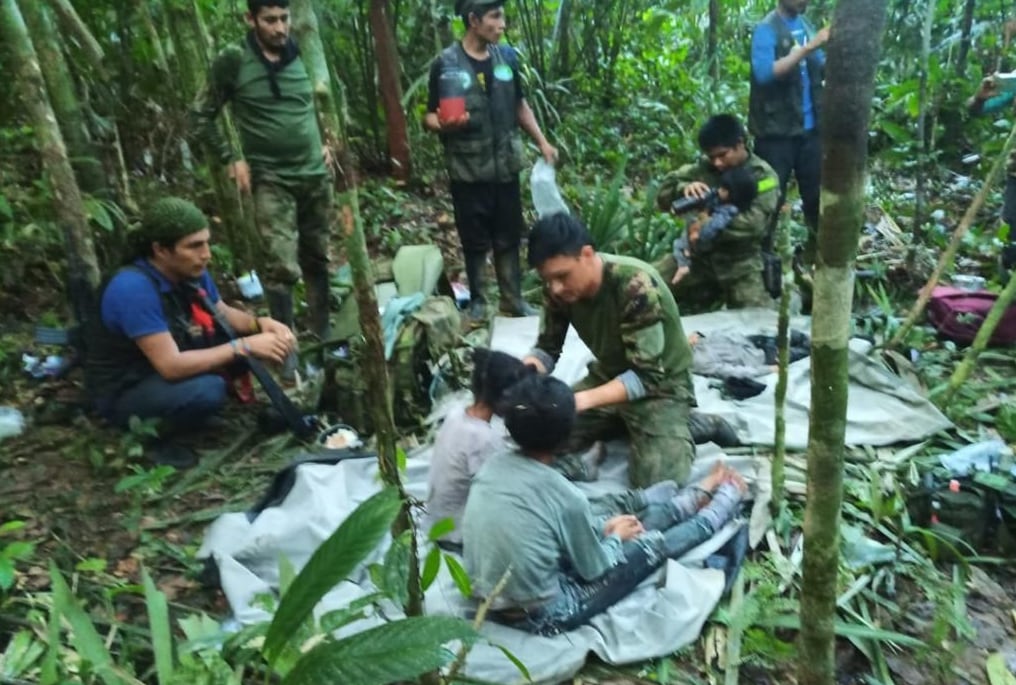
(280, 306)
(711, 428)
(476, 264)
(318, 291)
(509, 283)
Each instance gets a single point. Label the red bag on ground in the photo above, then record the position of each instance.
(957, 315)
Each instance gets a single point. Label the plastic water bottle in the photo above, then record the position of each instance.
(452, 94)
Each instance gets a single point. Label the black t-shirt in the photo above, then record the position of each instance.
(484, 73)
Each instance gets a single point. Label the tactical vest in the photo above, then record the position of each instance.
(115, 362)
(776, 109)
(489, 149)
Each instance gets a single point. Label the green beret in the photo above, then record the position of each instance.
(170, 219)
(477, 7)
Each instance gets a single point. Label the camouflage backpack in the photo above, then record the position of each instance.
(424, 336)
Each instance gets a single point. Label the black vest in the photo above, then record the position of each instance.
(489, 149)
(777, 108)
(114, 362)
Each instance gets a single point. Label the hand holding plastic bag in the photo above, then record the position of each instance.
(547, 198)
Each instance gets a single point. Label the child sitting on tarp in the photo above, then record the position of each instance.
(736, 191)
(565, 565)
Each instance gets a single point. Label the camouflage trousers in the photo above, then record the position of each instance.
(293, 220)
(657, 428)
(708, 286)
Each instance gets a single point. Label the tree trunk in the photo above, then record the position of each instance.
(852, 59)
(966, 26)
(154, 40)
(82, 266)
(391, 90)
(713, 41)
(375, 368)
(73, 24)
(64, 100)
(779, 475)
(917, 230)
(561, 64)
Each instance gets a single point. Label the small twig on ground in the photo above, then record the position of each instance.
(481, 616)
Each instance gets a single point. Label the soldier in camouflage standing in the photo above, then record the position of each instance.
(282, 159)
(640, 381)
(730, 272)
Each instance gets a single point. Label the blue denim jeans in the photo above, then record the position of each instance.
(579, 601)
(187, 403)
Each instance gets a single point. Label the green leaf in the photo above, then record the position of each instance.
(158, 623)
(98, 213)
(6, 573)
(5, 209)
(91, 565)
(440, 529)
(843, 630)
(11, 526)
(998, 672)
(48, 674)
(517, 662)
(18, 550)
(395, 582)
(287, 573)
(459, 575)
(397, 651)
(331, 562)
(84, 636)
(431, 566)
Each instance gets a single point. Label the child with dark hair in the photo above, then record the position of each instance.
(735, 192)
(567, 565)
(467, 437)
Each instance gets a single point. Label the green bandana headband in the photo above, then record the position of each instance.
(170, 219)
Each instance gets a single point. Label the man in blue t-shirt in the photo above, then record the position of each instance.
(787, 70)
(153, 348)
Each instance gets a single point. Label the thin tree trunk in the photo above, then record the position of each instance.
(917, 230)
(391, 90)
(82, 265)
(561, 65)
(713, 41)
(947, 256)
(779, 471)
(852, 60)
(966, 27)
(64, 100)
(154, 40)
(984, 333)
(73, 24)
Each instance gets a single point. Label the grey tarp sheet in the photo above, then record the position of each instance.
(666, 613)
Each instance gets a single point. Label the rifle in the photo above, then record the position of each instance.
(302, 426)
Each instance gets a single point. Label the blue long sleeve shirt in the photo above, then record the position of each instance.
(763, 59)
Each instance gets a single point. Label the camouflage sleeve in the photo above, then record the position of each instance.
(554, 322)
(753, 223)
(204, 114)
(642, 331)
(672, 185)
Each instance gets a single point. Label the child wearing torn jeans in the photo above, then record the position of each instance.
(567, 560)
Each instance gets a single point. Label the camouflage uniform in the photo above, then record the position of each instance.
(280, 138)
(633, 328)
(730, 273)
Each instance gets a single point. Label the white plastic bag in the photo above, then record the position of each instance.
(547, 198)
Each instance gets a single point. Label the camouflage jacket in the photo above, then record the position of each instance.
(631, 324)
(743, 236)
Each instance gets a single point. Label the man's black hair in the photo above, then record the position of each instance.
(721, 130)
(494, 373)
(741, 184)
(255, 6)
(539, 413)
(464, 8)
(557, 235)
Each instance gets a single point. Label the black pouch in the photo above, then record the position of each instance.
(772, 274)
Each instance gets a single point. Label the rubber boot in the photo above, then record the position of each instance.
(509, 283)
(318, 291)
(280, 306)
(711, 428)
(476, 264)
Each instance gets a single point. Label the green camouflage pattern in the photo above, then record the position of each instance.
(730, 273)
(657, 428)
(293, 221)
(632, 323)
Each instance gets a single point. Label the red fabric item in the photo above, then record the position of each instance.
(243, 388)
(203, 318)
(957, 315)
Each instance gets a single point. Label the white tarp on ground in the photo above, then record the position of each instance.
(666, 613)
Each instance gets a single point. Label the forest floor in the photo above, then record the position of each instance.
(93, 507)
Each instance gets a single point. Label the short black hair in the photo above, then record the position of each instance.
(464, 9)
(539, 413)
(721, 130)
(494, 373)
(557, 235)
(741, 184)
(255, 6)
